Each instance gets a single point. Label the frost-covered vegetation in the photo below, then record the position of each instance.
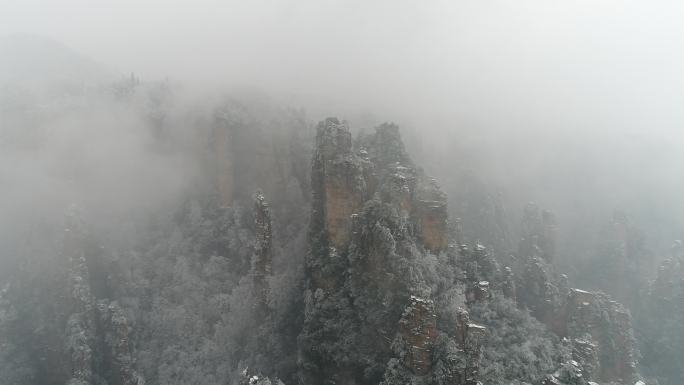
(169, 240)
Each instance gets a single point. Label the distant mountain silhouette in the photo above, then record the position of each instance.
(34, 61)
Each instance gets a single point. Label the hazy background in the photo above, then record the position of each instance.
(572, 65)
(572, 104)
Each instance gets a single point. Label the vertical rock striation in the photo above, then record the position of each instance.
(375, 221)
(263, 249)
(592, 318)
(337, 180)
(599, 329)
(418, 330)
(431, 216)
(222, 141)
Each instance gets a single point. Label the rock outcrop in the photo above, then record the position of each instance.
(338, 182)
(539, 291)
(599, 329)
(431, 217)
(469, 337)
(418, 330)
(375, 220)
(263, 249)
(222, 141)
(257, 148)
(74, 338)
(97, 332)
(481, 270)
(594, 318)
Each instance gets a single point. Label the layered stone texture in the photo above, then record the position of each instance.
(594, 318)
(538, 291)
(223, 140)
(96, 337)
(470, 338)
(263, 249)
(482, 271)
(337, 180)
(418, 328)
(431, 215)
(585, 353)
(257, 146)
(599, 329)
(375, 216)
(338, 191)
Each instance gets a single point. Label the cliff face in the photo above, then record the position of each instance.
(73, 337)
(256, 147)
(338, 184)
(376, 224)
(262, 259)
(593, 317)
(388, 292)
(418, 328)
(469, 338)
(599, 329)
(431, 218)
(97, 332)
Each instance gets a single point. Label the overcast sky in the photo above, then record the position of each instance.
(563, 101)
(572, 64)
